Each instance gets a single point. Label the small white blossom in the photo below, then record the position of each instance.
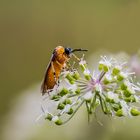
(67, 108)
(86, 72)
(119, 67)
(105, 61)
(82, 62)
(55, 118)
(88, 96)
(125, 108)
(108, 77)
(113, 96)
(123, 74)
(137, 98)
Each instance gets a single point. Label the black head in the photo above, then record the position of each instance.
(68, 51)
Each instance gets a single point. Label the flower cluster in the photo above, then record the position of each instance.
(110, 87)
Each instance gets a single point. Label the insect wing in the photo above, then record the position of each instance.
(44, 84)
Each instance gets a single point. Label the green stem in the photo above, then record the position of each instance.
(102, 105)
(93, 103)
(88, 110)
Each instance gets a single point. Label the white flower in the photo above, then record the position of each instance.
(125, 108)
(82, 62)
(111, 86)
(123, 74)
(108, 77)
(105, 61)
(86, 72)
(67, 108)
(113, 96)
(88, 96)
(55, 118)
(119, 67)
(137, 98)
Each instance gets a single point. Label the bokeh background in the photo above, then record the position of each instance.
(29, 31)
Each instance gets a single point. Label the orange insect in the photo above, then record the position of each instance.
(58, 61)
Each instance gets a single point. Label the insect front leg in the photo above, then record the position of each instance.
(71, 67)
(66, 66)
(76, 57)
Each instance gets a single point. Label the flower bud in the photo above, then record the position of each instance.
(116, 70)
(134, 112)
(130, 99)
(77, 91)
(104, 65)
(70, 78)
(105, 68)
(83, 64)
(55, 97)
(63, 92)
(87, 74)
(56, 120)
(88, 96)
(61, 106)
(112, 97)
(48, 117)
(70, 111)
(119, 113)
(87, 77)
(106, 81)
(101, 66)
(121, 76)
(76, 75)
(128, 92)
(67, 101)
(123, 86)
(116, 107)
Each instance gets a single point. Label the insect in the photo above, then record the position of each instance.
(60, 57)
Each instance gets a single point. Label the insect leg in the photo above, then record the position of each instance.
(76, 57)
(67, 66)
(70, 67)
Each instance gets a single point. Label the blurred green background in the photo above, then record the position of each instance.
(31, 29)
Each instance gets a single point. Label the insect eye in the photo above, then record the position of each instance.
(68, 51)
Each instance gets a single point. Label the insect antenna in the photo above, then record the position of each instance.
(77, 50)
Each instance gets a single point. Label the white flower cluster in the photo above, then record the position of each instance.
(110, 87)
